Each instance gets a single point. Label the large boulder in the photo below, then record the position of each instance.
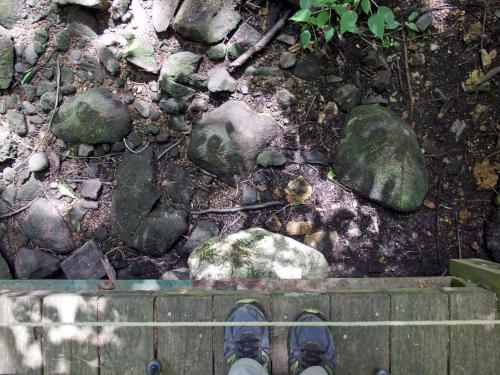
(379, 157)
(95, 116)
(100, 4)
(6, 61)
(163, 13)
(206, 21)
(256, 253)
(35, 264)
(46, 228)
(226, 141)
(133, 218)
(10, 12)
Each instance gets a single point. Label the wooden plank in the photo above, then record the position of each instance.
(125, 350)
(70, 349)
(222, 306)
(473, 349)
(361, 350)
(20, 347)
(481, 272)
(419, 350)
(286, 307)
(185, 350)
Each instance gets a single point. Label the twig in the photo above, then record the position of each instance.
(493, 72)
(438, 250)
(17, 211)
(407, 68)
(168, 149)
(458, 238)
(236, 209)
(132, 151)
(110, 271)
(484, 23)
(261, 43)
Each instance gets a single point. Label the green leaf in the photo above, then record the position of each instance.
(330, 175)
(412, 26)
(329, 33)
(302, 15)
(305, 38)
(413, 16)
(388, 17)
(366, 6)
(27, 76)
(376, 25)
(66, 190)
(305, 4)
(340, 10)
(322, 19)
(348, 22)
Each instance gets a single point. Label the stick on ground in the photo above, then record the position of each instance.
(236, 209)
(407, 69)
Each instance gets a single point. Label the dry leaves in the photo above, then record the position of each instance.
(429, 204)
(298, 228)
(298, 190)
(485, 175)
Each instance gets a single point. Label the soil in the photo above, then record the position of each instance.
(373, 241)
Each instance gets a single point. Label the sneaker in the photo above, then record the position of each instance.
(246, 341)
(310, 346)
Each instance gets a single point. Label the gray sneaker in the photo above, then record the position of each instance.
(310, 346)
(246, 341)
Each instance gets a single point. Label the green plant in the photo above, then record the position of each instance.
(327, 16)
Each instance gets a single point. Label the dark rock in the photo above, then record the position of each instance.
(90, 69)
(176, 90)
(202, 231)
(492, 235)
(81, 22)
(245, 37)
(379, 157)
(178, 123)
(4, 269)
(62, 40)
(179, 67)
(142, 107)
(6, 59)
(248, 196)
(91, 188)
(35, 264)
(375, 59)
(172, 106)
(163, 13)
(314, 157)
(44, 226)
(84, 263)
(95, 116)
(153, 129)
(219, 80)
(224, 144)
(68, 89)
(176, 274)
(263, 71)
(107, 59)
(271, 159)
(48, 101)
(141, 269)
(286, 99)
(179, 187)
(30, 190)
(199, 104)
(382, 81)
(134, 139)
(17, 123)
(287, 60)
(423, 22)
(347, 97)
(309, 68)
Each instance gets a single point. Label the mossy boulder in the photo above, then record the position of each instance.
(6, 61)
(254, 254)
(10, 12)
(93, 117)
(139, 51)
(227, 140)
(180, 66)
(379, 157)
(206, 21)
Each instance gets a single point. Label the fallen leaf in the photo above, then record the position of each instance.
(474, 32)
(298, 190)
(298, 228)
(322, 240)
(277, 193)
(273, 224)
(493, 54)
(429, 204)
(485, 175)
(321, 118)
(66, 190)
(464, 214)
(485, 58)
(471, 83)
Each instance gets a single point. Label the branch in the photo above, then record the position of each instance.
(261, 43)
(236, 209)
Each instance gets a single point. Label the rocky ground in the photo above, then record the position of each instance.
(126, 135)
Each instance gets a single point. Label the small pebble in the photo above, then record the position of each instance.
(38, 162)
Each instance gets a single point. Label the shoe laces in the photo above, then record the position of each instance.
(311, 355)
(248, 345)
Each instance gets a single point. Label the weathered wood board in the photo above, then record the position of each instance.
(423, 349)
(20, 347)
(69, 349)
(286, 307)
(361, 350)
(474, 349)
(185, 350)
(123, 350)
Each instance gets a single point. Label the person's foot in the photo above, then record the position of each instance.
(245, 341)
(310, 346)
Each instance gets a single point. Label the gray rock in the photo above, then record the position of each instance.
(5, 273)
(206, 22)
(172, 106)
(17, 123)
(224, 144)
(271, 159)
(85, 149)
(287, 60)
(287, 39)
(199, 104)
(45, 227)
(100, 4)
(6, 59)
(38, 162)
(347, 97)
(90, 69)
(35, 264)
(179, 67)
(85, 263)
(10, 12)
(7, 150)
(245, 37)
(179, 187)
(217, 52)
(9, 174)
(379, 157)
(255, 254)
(47, 101)
(81, 22)
(62, 41)
(375, 59)
(248, 196)
(309, 68)
(142, 107)
(91, 188)
(95, 116)
(263, 71)
(134, 198)
(119, 8)
(423, 22)
(492, 235)
(44, 87)
(176, 90)
(178, 123)
(9, 196)
(30, 190)
(219, 80)
(202, 231)
(163, 13)
(176, 274)
(286, 99)
(107, 59)
(140, 52)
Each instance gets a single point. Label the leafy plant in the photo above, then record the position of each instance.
(328, 16)
(27, 75)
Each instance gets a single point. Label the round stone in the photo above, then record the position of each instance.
(9, 174)
(38, 162)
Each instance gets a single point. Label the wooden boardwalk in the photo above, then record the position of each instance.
(421, 350)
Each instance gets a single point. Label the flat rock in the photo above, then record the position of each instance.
(224, 144)
(140, 52)
(207, 22)
(219, 80)
(271, 159)
(100, 4)
(202, 231)
(6, 59)
(10, 12)
(179, 188)
(17, 123)
(163, 13)
(91, 188)
(84, 263)
(35, 264)
(380, 158)
(95, 116)
(30, 190)
(45, 227)
(256, 254)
